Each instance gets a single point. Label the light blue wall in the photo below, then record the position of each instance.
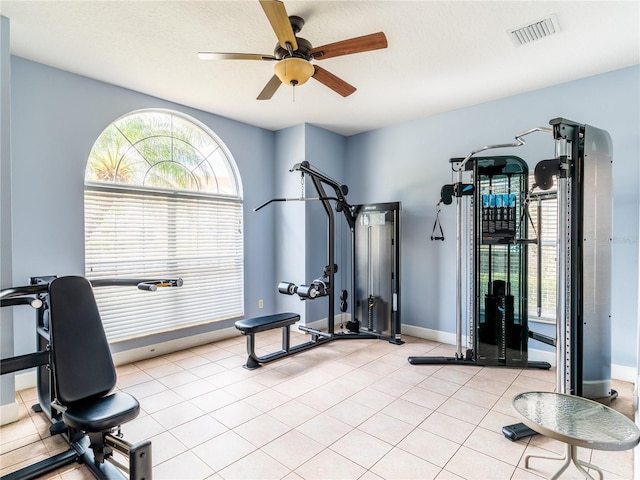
(7, 382)
(301, 227)
(288, 218)
(325, 151)
(409, 163)
(56, 118)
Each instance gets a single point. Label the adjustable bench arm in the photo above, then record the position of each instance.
(24, 291)
(34, 302)
(143, 284)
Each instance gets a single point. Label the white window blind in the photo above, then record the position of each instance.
(548, 246)
(134, 233)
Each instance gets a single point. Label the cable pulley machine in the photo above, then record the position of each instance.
(375, 231)
(582, 173)
(495, 198)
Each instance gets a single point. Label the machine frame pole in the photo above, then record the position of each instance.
(563, 305)
(459, 271)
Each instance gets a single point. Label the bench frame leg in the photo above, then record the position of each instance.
(254, 361)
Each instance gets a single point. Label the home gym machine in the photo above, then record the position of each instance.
(582, 169)
(497, 260)
(375, 235)
(75, 373)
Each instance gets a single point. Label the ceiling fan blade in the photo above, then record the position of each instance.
(270, 88)
(334, 83)
(374, 41)
(277, 15)
(233, 56)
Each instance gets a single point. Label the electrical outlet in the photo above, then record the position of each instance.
(260, 303)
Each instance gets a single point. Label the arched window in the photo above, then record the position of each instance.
(163, 199)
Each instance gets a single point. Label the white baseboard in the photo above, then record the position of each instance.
(9, 413)
(150, 351)
(28, 380)
(536, 355)
(624, 373)
(322, 323)
(433, 335)
(25, 380)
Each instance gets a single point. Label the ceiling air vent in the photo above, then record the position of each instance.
(534, 31)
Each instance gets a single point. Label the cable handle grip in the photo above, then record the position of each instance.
(261, 206)
(437, 225)
(296, 199)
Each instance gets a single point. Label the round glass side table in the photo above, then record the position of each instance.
(578, 422)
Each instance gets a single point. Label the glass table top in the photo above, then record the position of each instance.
(576, 420)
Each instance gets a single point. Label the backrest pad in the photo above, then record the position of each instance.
(80, 356)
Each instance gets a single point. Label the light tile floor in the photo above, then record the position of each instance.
(350, 409)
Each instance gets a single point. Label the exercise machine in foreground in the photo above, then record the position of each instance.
(75, 375)
(375, 312)
(582, 169)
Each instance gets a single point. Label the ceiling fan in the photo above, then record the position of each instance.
(294, 54)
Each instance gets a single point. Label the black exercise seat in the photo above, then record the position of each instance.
(82, 365)
(102, 414)
(268, 322)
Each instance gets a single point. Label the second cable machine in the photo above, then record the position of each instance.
(494, 203)
(497, 262)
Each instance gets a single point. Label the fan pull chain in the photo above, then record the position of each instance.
(293, 82)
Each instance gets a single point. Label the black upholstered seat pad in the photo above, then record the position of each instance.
(260, 324)
(102, 414)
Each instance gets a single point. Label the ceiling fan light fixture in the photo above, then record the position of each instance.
(294, 71)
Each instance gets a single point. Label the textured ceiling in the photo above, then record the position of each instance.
(442, 55)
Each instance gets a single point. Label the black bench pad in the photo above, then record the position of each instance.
(261, 324)
(101, 414)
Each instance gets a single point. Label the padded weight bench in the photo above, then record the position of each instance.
(250, 326)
